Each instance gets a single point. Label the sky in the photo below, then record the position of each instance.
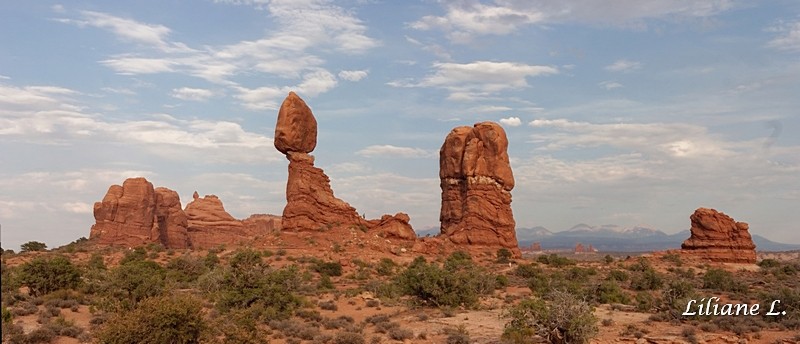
(626, 112)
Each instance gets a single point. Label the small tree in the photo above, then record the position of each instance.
(503, 255)
(33, 246)
(44, 275)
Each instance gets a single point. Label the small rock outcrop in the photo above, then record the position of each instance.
(135, 213)
(717, 237)
(310, 202)
(476, 182)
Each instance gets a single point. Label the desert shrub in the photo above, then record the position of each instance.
(610, 292)
(673, 258)
(647, 279)
(165, 319)
(136, 254)
(580, 274)
(563, 317)
(325, 283)
(555, 260)
(33, 246)
(386, 267)
(544, 284)
(675, 297)
(346, 337)
(719, 279)
(399, 333)
(328, 305)
(459, 282)
(789, 303)
(527, 270)
(373, 303)
(458, 335)
(503, 256)
(24, 308)
(249, 283)
(185, 269)
(608, 259)
(136, 280)
(43, 275)
(617, 275)
(328, 268)
(501, 281)
(336, 323)
(96, 262)
(211, 260)
(769, 263)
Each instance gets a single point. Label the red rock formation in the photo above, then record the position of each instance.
(579, 248)
(396, 226)
(310, 203)
(536, 247)
(171, 220)
(717, 237)
(590, 249)
(136, 214)
(476, 181)
(296, 130)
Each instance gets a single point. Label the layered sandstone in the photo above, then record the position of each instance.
(476, 182)
(310, 202)
(717, 237)
(135, 214)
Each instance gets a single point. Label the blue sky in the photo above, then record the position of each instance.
(618, 112)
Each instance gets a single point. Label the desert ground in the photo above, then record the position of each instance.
(332, 287)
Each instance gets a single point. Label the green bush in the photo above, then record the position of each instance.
(555, 260)
(136, 254)
(43, 275)
(648, 279)
(328, 268)
(386, 267)
(527, 270)
(137, 280)
(250, 284)
(563, 318)
(33, 246)
(459, 283)
(185, 269)
(722, 280)
(610, 292)
(504, 255)
(165, 319)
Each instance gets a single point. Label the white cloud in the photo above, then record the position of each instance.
(511, 121)
(139, 65)
(188, 93)
(389, 151)
(353, 75)
(464, 19)
(623, 66)
(129, 30)
(490, 108)
(44, 114)
(789, 36)
(268, 97)
(78, 207)
(610, 85)
(3, 77)
(468, 81)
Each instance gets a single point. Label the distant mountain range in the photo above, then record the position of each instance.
(613, 238)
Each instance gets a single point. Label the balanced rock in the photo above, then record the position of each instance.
(396, 226)
(717, 237)
(476, 182)
(136, 214)
(296, 130)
